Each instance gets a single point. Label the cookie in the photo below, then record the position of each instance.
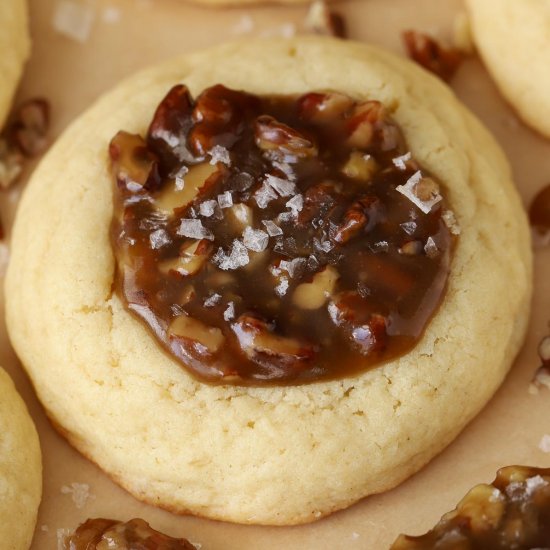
(15, 45)
(20, 469)
(273, 454)
(518, 66)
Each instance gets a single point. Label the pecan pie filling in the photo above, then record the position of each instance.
(511, 513)
(277, 239)
(136, 534)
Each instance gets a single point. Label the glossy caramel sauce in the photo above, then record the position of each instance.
(277, 239)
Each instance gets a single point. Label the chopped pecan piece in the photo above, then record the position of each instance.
(318, 200)
(96, 534)
(315, 294)
(427, 52)
(193, 336)
(272, 135)
(362, 123)
(191, 259)
(360, 322)
(30, 127)
(262, 345)
(323, 107)
(360, 216)
(134, 166)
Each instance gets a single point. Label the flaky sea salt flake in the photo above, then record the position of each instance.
(212, 300)
(73, 19)
(194, 229)
(159, 238)
(229, 313)
(207, 208)
(219, 154)
(285, 188)
(238, 257)
(400, 162)
(408, 190)
(534, 483)
(431, 248)
(255, 239)
(225, 199)
(296, 203)
(293, 267)
(282, 287)
(273, 230)
(264, 195)
(408, 227)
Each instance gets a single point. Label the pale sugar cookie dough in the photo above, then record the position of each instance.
(15, 48)
(265, 455)
(20, 469)
(513, 38)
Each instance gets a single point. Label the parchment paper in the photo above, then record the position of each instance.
(127, 35)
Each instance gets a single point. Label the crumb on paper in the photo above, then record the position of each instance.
(544, 444)
(80, 493)
(73, 19)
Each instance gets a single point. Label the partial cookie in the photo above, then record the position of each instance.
(512, 38)
(271, 455)
(20, 469)
(15, 48)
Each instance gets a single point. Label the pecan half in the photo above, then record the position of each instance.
(272, 135)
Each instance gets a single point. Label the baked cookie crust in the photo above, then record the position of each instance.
(15, 47)
(268, 455)
(513, 40)
(20, 469)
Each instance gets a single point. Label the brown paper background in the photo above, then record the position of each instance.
(71, 75)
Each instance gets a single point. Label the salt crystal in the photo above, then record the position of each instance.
(496, 496)
(273, 230)
(408, 227)
(400, 162)
(238, 257)
(293, 267)
(177, 310)
(194, 230)
(244, 25)
(296, 204)
(212, 300)
(363, 289)
(159, 238)
(324, 246)
(264, 195)
(207, 208)
(282, 287)
(544, 444)
(180, 174)
(408, 190)
(284, 188)
(431, 248)
(449, 219)
(80, 493)
(255, 239)
(229, 312)
(284, 217)
(73, 19)
(286, 169)
(225, 200)
(219, 154)
(382, 246)
(192, 212)
(111, 15)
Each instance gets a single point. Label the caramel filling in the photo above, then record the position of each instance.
(277, 239)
